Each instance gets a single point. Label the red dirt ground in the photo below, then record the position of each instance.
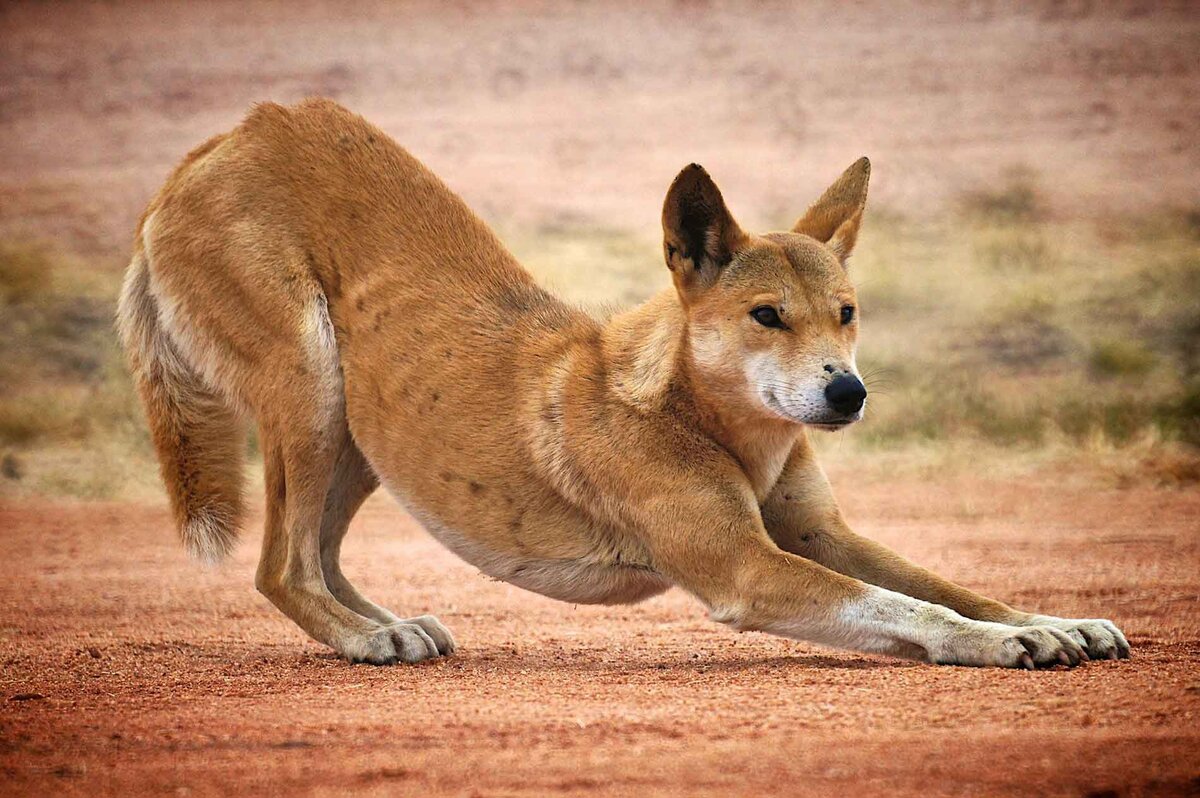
(128, 669)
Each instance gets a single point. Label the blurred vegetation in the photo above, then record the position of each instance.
(1007, 326)
(998, 329)
(68, 419)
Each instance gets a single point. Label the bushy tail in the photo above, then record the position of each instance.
(195, 431)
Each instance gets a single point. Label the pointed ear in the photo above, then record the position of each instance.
(699, 234)
(834, 219)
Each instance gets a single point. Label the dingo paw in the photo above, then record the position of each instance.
(409, 640)
(443, 641)
(998, 645)
(1100, 638)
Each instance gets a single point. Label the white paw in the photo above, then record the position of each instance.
(410, 640)
(1100, 638)
(998, 645)
(443, 641)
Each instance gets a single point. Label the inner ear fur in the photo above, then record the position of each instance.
(700, 235)
(835, 218)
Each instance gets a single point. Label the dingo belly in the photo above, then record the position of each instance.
(580, 580)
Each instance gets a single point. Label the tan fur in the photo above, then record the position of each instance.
(307, 271)
(195, 433)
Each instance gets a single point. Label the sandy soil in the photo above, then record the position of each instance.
(127, 669)
(552, 113)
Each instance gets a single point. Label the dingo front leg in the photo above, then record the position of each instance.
(802, 517)
(947, 638)
(731, 564)
(834, 546)
(873, 619)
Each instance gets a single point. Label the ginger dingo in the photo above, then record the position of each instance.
(307, 272)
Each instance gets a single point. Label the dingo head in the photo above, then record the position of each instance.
(772, 319)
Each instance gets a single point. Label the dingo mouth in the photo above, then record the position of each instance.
(831, 425)
(775, 406)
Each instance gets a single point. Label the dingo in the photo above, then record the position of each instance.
(305, 270)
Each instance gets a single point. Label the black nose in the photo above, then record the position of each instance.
(845, 394)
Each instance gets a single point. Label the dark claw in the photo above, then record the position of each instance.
(1026, 661)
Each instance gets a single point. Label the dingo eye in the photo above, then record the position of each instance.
(847, 314)
(767, 316)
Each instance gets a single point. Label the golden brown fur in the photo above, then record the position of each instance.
(305, 271)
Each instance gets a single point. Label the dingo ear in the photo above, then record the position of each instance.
(699, 234)
(834, 219)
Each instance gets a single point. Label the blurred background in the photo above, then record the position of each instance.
(1029, 270)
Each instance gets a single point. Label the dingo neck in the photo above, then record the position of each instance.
(650, 364)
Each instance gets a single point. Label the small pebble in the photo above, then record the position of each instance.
(27, 697)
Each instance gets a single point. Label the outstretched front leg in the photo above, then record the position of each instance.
(802, 517)
(712, 543)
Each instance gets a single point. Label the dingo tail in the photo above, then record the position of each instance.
(196, 432)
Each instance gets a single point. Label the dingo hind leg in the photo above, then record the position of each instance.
(298, 469)
(225, 321)
(304, 436)
(353, 481)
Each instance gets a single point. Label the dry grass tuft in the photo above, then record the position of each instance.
(1119, 358)
(67, 409)
(25, 271)
(1017, 198)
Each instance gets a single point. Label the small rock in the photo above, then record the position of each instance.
(27, 697)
